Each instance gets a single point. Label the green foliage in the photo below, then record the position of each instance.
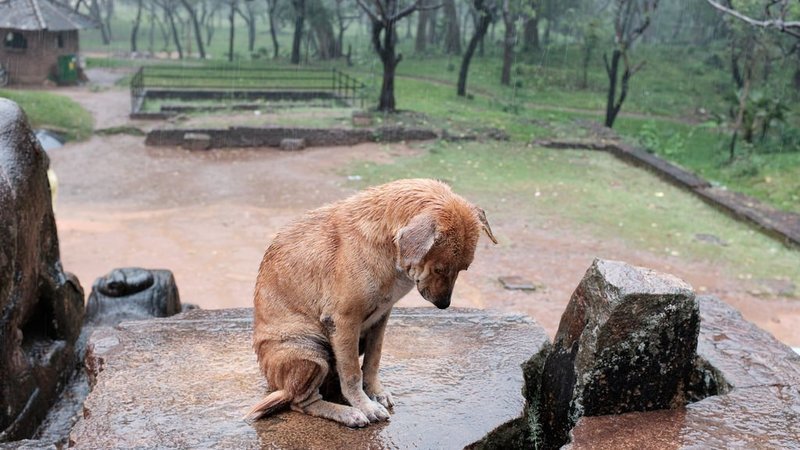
(54, 112)
(670, 145)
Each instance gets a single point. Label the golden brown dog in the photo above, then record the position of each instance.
(329, 281)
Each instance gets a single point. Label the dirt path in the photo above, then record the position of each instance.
(208, 216)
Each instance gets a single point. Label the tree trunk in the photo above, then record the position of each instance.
(740, 118)
(452, 33)
(175, 36)
(271, 6)
(612, 107)
(135, 29)
(421, 39)
(232, 35)
(530, 34)
(508, 46)
(198, 36)
(481, 27)
(250, 19)
(299, 20)
(321, 26)
(94, 10)
(386, 52)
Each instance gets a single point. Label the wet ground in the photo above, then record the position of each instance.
(208, 216)
(434, 362)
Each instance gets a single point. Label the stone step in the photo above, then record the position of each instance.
(186, 382)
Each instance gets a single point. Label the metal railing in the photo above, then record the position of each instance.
(329, 83)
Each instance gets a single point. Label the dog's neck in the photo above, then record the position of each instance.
(380, 218)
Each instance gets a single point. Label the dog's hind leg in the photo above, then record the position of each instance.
(293, 381)
(346, 415)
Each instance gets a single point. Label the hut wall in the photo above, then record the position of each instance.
(37, 62)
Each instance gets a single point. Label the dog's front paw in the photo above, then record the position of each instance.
(353, 418)
(384, 398)
(374, 411)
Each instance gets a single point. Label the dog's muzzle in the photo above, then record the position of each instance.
(442, 303)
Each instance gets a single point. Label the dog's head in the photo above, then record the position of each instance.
(438, 244)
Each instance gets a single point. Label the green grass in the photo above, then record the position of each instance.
(54, 112)
(596, 193)
(679, 87)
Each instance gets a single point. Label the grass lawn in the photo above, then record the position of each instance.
(594, 190)
(54, 112)
(679, 88)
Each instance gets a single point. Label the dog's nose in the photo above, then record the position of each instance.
(443, 303)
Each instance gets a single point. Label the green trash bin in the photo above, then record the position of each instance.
(67, 72)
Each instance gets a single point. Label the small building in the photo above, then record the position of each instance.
(37, 35)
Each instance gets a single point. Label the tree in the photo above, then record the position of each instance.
(486, 11)
(135, 28)
(423, 19)
(530, 29)
(631, 19)
(321, 29)
(510, 13)
(272, 6)
(299, 21)
(196, 27)
(250, 20)
(452, 33)
(384, 15)
(232, 27)
(748, 44)
(775, 12)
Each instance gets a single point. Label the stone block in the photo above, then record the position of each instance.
(42, 306)
(292, 144)
(186, 382)
(759, 410)
(196, 141)
(626, 342)
(132, 293)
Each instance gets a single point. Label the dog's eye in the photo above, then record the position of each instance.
(438, 270)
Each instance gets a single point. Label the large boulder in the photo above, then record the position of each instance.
(626, 342)
(41, 305)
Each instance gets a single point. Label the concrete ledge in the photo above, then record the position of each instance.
(784, 226)
(185, 382)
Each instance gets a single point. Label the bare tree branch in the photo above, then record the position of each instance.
(791, 27)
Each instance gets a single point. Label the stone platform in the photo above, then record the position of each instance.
(186, 382)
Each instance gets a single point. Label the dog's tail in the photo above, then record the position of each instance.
(270, 404)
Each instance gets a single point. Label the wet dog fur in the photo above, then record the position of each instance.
(328, 281)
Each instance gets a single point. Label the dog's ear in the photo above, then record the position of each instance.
(415, 240)
(485, 223)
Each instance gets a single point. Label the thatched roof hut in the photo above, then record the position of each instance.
(35, 35)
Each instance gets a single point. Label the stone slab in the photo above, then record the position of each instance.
(186, 382)
(762, 410)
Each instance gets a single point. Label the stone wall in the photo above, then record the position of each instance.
(42, 306)
(272, 136)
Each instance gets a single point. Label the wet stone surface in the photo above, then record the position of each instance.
(762, 409)
(187, 381)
